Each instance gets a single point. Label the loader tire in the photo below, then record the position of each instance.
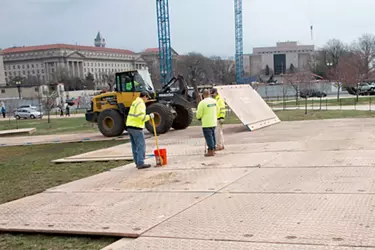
(111, 123)
(184, 117)
(163, 118)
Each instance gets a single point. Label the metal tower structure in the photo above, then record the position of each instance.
(239, 40)
(164, 34)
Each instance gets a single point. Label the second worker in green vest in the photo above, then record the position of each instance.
(207, 114)
(220, 119)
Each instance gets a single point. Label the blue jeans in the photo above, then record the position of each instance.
(137, 140)
(209, 135)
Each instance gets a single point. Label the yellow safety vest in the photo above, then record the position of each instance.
(137, 114)
(221, 107)
(207, 112)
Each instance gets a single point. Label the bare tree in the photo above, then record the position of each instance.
(334, 49)
(196, 69)
(223, 70)
(365, 50)
(109, 79)
(350, 72)
(48, 98)
(328, 57)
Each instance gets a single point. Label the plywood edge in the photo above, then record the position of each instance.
(78, 160)
(263, 124)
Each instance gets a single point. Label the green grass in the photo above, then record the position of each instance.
(56, 126)
(50, 242)
(27, 170)
(298, 115)
(291, 102)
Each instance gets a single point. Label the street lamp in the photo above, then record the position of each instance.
(18, 83)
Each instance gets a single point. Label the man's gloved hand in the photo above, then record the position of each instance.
(152, 116)
(221, 121)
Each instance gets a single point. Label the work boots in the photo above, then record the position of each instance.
(210, 153)
(144, 166)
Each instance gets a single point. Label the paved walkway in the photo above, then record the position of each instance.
(295, 185)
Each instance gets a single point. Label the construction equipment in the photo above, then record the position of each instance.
(172, 105)
(164, 37)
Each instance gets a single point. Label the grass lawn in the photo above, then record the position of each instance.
(27, 170)
(57, 126)
(298, 115)
(363, 100)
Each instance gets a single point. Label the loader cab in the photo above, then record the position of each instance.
(133, 81)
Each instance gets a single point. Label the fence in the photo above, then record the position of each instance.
(364, 103)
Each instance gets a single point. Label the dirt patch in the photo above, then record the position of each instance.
(155, 180)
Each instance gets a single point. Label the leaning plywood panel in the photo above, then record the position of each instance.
(248, 105)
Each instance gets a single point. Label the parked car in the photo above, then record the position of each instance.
(366, 88)
(27, 114)
(26, 107)
(306, 93)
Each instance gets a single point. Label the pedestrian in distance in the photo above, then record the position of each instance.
(207, 114)
(135, 124)
(3, 111)
(220, 119)
(61, 110)
(67, 110)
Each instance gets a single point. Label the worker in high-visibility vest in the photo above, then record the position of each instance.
(220, 119)
(129, 86)
(207, 114)
(135, 124)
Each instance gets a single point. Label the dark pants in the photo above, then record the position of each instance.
(209, 135)
(137, 140)
(3, 114)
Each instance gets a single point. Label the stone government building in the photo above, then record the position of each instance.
(45, 62)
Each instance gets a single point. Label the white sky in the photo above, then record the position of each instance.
(205, 26)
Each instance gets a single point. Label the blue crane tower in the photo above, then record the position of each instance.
(164, 35)
(239, 40)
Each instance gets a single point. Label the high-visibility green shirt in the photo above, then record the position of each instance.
(137, 114)
(221, 107)
(207, 112)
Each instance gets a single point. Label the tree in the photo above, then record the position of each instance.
(89, 82)
(328, 57)
(350, 72)
(109, 79)
(223, 70)
(364, 47)
(196, 69)
(89, 77)
(48, 98)
(334, 49)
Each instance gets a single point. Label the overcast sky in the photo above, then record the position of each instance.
(205, 26)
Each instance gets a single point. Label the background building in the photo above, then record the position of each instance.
(278, 59)
(49, 63)
(2, 73)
